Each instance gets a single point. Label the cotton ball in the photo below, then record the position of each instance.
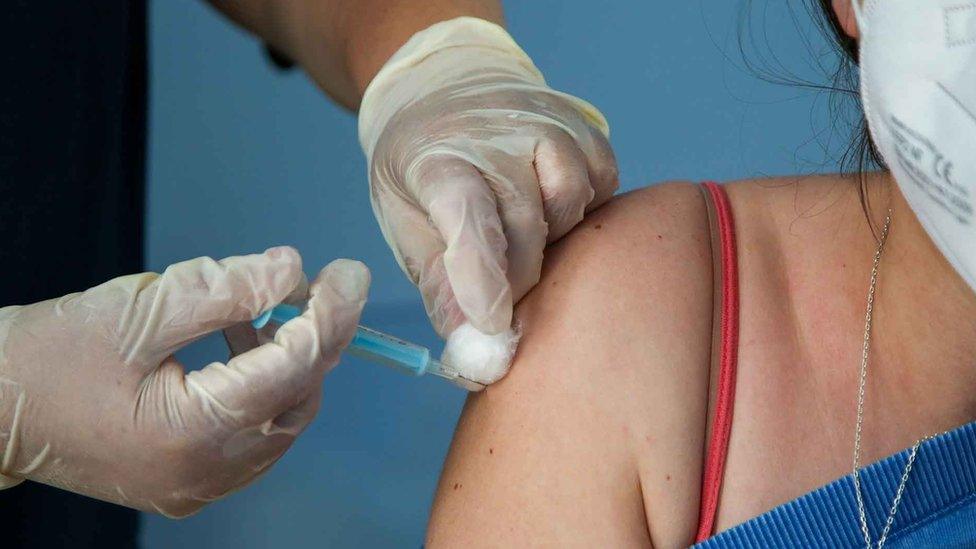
(478, 356)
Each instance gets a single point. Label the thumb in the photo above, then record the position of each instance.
(473, 262)
(439, 299)
(194, 298)
(268, 380)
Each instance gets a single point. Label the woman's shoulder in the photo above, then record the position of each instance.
(596, 435)
(642, 263)
(663, 219)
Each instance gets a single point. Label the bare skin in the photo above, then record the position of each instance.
(597, 436)
(342, 44)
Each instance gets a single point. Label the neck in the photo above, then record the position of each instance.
(925, 321)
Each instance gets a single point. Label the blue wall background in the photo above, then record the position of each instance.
(243, 157)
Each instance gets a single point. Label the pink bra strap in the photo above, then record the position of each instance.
(718, 445)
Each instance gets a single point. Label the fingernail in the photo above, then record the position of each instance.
(283, 252)
(348, 278)
(277, 251)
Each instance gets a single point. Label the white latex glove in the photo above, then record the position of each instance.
(475, 164)
(93, 401)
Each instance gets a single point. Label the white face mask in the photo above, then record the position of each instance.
(918, 84)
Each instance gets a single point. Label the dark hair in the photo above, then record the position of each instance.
(862, 153)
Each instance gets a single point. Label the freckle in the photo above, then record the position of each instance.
(456, 485)
(491, 450)
(669, 477)
(659, 237)
(554, 283)
(598, 227)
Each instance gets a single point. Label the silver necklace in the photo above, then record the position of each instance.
(865, 350)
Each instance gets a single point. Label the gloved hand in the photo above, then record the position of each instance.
(475, 164)
(93, 401)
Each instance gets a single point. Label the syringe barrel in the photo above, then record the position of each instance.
(367, 344)
(389, 351)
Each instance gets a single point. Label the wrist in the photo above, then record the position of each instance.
(10, 404)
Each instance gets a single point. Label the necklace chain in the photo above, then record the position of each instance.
(865, 351)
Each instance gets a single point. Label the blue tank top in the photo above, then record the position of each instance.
(938, 508)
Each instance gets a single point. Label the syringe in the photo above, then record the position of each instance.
(381, 348)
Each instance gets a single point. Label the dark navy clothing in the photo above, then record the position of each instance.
(72, 169)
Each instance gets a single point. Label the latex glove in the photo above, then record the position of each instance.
(93, 401)
(475, 164)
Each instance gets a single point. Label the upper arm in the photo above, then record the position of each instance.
(596, 435)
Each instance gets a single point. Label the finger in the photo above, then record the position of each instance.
(523, 219)
(419, 250)
(251, 451)
(591, 132)
(439, 298)
(197, 297)
(272, 378)
(601, 164)
(462, 208)
(564, 182)
(260, 443)
(294, 421)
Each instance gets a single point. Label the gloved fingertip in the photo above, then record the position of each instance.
(286, 274)
(350, 279)
(489, 312)
(446, 321)
(493, 322)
